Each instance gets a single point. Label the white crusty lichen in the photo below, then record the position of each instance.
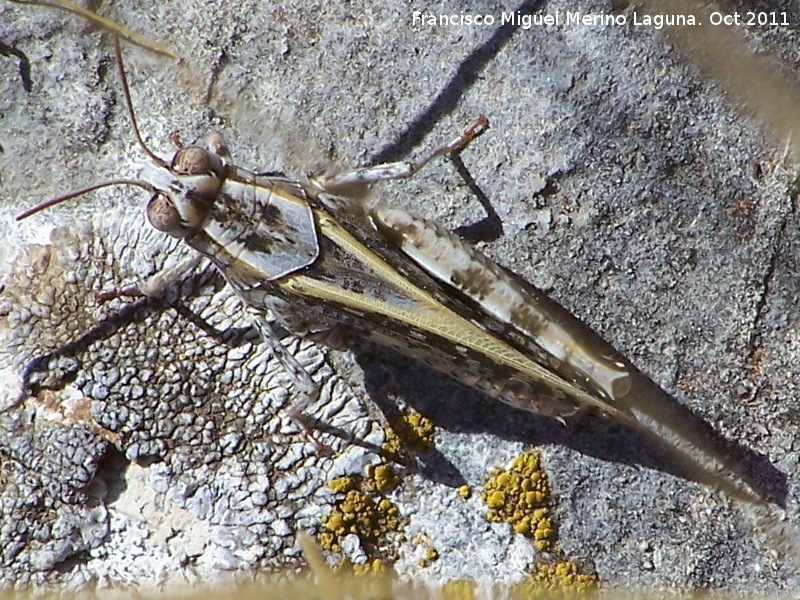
(179, 385)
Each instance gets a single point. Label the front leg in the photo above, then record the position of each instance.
(334, 184)
(155, 285)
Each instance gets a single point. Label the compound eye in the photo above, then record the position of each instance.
(162, 214)
(193, 160)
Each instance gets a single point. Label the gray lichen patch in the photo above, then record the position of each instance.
(48, 516)
(182, 386)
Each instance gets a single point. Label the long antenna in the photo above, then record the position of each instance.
(135, 182)
(127, 93)
(40, 207)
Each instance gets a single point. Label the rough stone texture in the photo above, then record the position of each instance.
(177, 385)
(623, 182)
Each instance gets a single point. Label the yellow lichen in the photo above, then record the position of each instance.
(465, 492)
(392, 447)
(559, 580)
(415, 430)
(359, 514)
(410, 430)
(431, 554)
(342, 484)
(518, 496)
(381, 478)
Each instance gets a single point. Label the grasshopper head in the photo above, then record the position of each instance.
(184, 190)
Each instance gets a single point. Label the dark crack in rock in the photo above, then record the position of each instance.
(182, 387)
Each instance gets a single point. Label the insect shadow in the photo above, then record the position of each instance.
(489, 228)
(450, 95)
(461, 409)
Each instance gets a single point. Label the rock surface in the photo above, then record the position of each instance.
(620, 179)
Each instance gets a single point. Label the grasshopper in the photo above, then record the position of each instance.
(322, 263)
